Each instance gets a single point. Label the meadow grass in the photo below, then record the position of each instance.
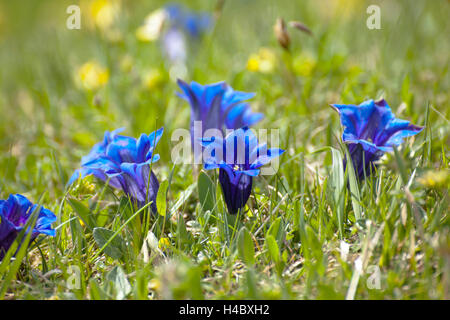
(290, 241)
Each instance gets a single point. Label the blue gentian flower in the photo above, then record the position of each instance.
(14, 214)
(217, 106)
(370, 130)
(238, 158)
(194, 24)
(125, 161)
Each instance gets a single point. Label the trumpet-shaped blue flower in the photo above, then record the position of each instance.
(217, 106)
(14, 214)
(370, 130)
(125, 162)
(238, 158)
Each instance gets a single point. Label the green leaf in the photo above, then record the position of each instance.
(277, 231)
(401, 166)
(95, 292)
(182, 198)
(116, 234)
(354, 188)
(272, 247)
(338, 186)
(206, 192)
(83, 212)
(115, 248)
(246, 249)
(161, 203)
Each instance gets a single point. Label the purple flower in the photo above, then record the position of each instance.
(217, 106)
(238, 158)
(370, 130)
(14, 214)
(125, 161)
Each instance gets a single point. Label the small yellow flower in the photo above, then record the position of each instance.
(92, 76)
(154, 284)
(152, 78)
(248, 211)
(436, 179)
(102, 13)
(253, 63)
(163, 243)
(152, 27)
(264, 61)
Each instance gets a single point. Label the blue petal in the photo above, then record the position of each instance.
(153, 139)
(250, 172)
(241, 115)
(102, 163)
(263, 159)
(239, 144)
(122, 149)
(134, 183)
(210, 92)
(251, 118)
(75, 176)
(232, 96)
(395, 131)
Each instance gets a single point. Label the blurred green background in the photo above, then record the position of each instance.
(44, 111)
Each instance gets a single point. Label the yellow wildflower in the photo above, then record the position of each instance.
(264, 61)
(92, 76)
(154, 284)
(435, 179)
(101, 13)
(163, 243)
(152, 78)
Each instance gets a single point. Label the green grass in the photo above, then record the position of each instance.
(287, 245)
